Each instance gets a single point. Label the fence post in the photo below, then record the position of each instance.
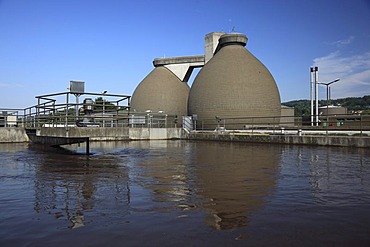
(66, 109)
(23, 119)
(252, 125)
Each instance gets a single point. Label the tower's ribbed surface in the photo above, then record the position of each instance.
(161, 90)
(234, 83)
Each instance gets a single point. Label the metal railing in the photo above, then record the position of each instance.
(331, 124)
(63, 116)
(9, 117)
(47, 113)
(153, 120)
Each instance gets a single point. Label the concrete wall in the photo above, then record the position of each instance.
(13, 135)
(94, 133)
(287, 116)
(114, 134)
(284, 139)
(154, 133)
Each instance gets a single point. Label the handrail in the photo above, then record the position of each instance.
(108, 114)
(330, 123)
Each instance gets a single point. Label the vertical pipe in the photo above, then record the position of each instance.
(103, 115)
(327, 99)
(317, 94)
(327, 108)
(311, 94)
(77, 103)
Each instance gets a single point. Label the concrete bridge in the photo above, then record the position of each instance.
(182, 67)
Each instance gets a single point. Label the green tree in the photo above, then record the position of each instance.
(303, 107)
(101, 103)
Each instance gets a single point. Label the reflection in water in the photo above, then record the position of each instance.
(331, 180)
(166, 193)
(164, 171)
(67, 185)
(233, 179)
(12, 147)
(227, 180)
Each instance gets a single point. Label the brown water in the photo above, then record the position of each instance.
(168, 193)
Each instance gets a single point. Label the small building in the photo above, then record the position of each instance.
(287, 116)
(332, 110)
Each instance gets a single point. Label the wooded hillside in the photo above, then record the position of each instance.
(353, 104)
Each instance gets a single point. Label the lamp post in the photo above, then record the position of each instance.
(327, 84)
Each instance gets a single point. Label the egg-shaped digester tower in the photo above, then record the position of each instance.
(234, 84)
(161, 91)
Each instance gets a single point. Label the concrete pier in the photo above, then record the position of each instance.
(13, 135)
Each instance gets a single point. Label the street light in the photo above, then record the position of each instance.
(327, 84)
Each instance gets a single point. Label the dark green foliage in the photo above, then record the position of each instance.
(303, 107)
(108, 106)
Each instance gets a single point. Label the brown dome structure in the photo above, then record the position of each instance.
(234, 84)
(163, 91)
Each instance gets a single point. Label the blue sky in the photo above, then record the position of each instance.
(110, 44)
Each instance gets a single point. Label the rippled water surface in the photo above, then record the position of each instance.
(168, 193)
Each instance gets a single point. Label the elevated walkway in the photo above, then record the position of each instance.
(182, 67)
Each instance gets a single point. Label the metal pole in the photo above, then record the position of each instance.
(77, 96)
(103, 113)
(24, 120)
(311, 94)
(66, 118)
(38, 113)
(317, 94)
(327, 102)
